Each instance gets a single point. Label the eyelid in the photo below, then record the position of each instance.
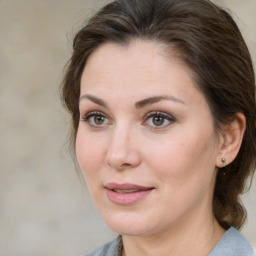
(160, 113)
(92, 113)
(168, 117)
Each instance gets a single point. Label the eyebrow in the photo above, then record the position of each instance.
(94, 99)
(139, 104)
(152, 100)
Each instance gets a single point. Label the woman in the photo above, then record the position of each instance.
(162, 98)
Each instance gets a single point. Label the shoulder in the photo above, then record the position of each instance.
(113, 248)
(233, 243)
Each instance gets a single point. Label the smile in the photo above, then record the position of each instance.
(125, 191)
(126, 194)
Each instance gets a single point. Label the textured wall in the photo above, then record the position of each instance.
(44, 208)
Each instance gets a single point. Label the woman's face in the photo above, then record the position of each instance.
(146, 142)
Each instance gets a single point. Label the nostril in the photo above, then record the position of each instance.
(118, 165)
(125, 165)
(125, 162)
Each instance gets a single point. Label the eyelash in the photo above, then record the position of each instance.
(148, 116)
(160, 114)
(93, 114)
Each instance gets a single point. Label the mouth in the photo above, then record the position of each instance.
(126, 194)
(125, 191)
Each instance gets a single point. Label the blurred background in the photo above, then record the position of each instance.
(44, 206)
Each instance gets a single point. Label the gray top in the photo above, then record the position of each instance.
(232, 243)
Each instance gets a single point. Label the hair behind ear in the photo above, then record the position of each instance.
(227, 205)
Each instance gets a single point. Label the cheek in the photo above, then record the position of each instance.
(182, 158)
(90, 154)
(183, 169)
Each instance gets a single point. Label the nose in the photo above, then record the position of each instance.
(122, 151)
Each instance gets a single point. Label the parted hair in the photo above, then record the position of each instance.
(208, 40)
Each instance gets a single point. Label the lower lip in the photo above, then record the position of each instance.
(127, 198)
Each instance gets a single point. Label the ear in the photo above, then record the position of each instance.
(231, 140)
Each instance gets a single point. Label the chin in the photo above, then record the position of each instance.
(131, 224)
(129, 230)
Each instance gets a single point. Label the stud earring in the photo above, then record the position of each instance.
(223, 160)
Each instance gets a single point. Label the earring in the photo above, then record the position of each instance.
(223, 160)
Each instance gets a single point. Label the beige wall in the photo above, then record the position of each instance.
(44, 210)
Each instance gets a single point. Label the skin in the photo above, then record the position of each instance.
(178, 158)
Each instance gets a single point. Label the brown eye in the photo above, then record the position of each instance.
(98, 120)
(158, 120)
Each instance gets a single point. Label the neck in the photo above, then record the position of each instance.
(185, 239)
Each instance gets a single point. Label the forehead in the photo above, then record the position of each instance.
(138, 61)
(123, 75)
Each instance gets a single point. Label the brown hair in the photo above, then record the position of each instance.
(210, 43)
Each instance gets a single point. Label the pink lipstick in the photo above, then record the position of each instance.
(126, 194)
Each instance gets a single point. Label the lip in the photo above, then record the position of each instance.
(127, 193)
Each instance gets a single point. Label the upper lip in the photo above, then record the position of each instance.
(126, 186)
